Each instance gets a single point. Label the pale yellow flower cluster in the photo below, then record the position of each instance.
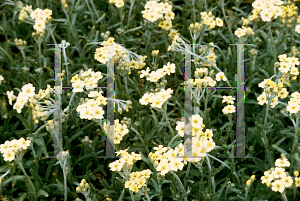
(25, 12)
(164, 159)
(271, 90)
(85, 79)
(63, 155)
(202, 142)
(120, 130)
(108, 51)
(197, 126)
(175, 42)
(91, 108)
(294, 50)
(40, 17)
(154, 76)
(11, 148)
(20, 42)
(138, 180)
(276, 177)
(156, 99)
(173, 33)
(50, 125)
(297, 28)
(211, 56)
(289, 11)
(28, 94)
(125, 162)
(288, 65)
(230, 108)
(210, 20)
(220, 76)
(244, 31)
(249, 181)
(112, 50)
(155, 11)
(83, 187)
(118, 3)
(266, 10)
(294, 103)
(287, 68)
(1, 78)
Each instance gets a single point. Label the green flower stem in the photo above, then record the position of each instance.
(147, 196)
(265, 132)
(29, 180)
(133, 29)
(126, 85)
(212, 177)
(63, 166)
(130, 10)
(199, 166)
(205, 105)
(296, 134)
(35, 159)
(273, 43)
(8, 55)
(160, 197)
(246, 194)
(234, 173)
(43, 126)
(90, 10)
(294, 192)
(52, 36)
(67, 65)
(187, 173)
(233, 164)
(166, 42)
(210, 64)
(135, 85)
(71, 28)
(39, 42)
(295, 139)
(169, 125)
(87, 197)
(23, 54)
(131, 195)
(141, 139)
(71, 99)
(180, 184)
(194, 11)
(172, 140)
(284, 197)
(228, 25)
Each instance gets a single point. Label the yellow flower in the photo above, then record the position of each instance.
(297, 181)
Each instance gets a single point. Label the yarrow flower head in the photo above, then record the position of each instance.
(120, 130)
(266, 10)
(244, 31)
(118, 3)
(137, 182)
(14, 148)
(277, 178)
(155, 11)
(125, 162)
(86, 79)
(156, 99)
(40, 17)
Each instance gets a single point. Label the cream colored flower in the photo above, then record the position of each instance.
(11, 97)
(229, 109)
